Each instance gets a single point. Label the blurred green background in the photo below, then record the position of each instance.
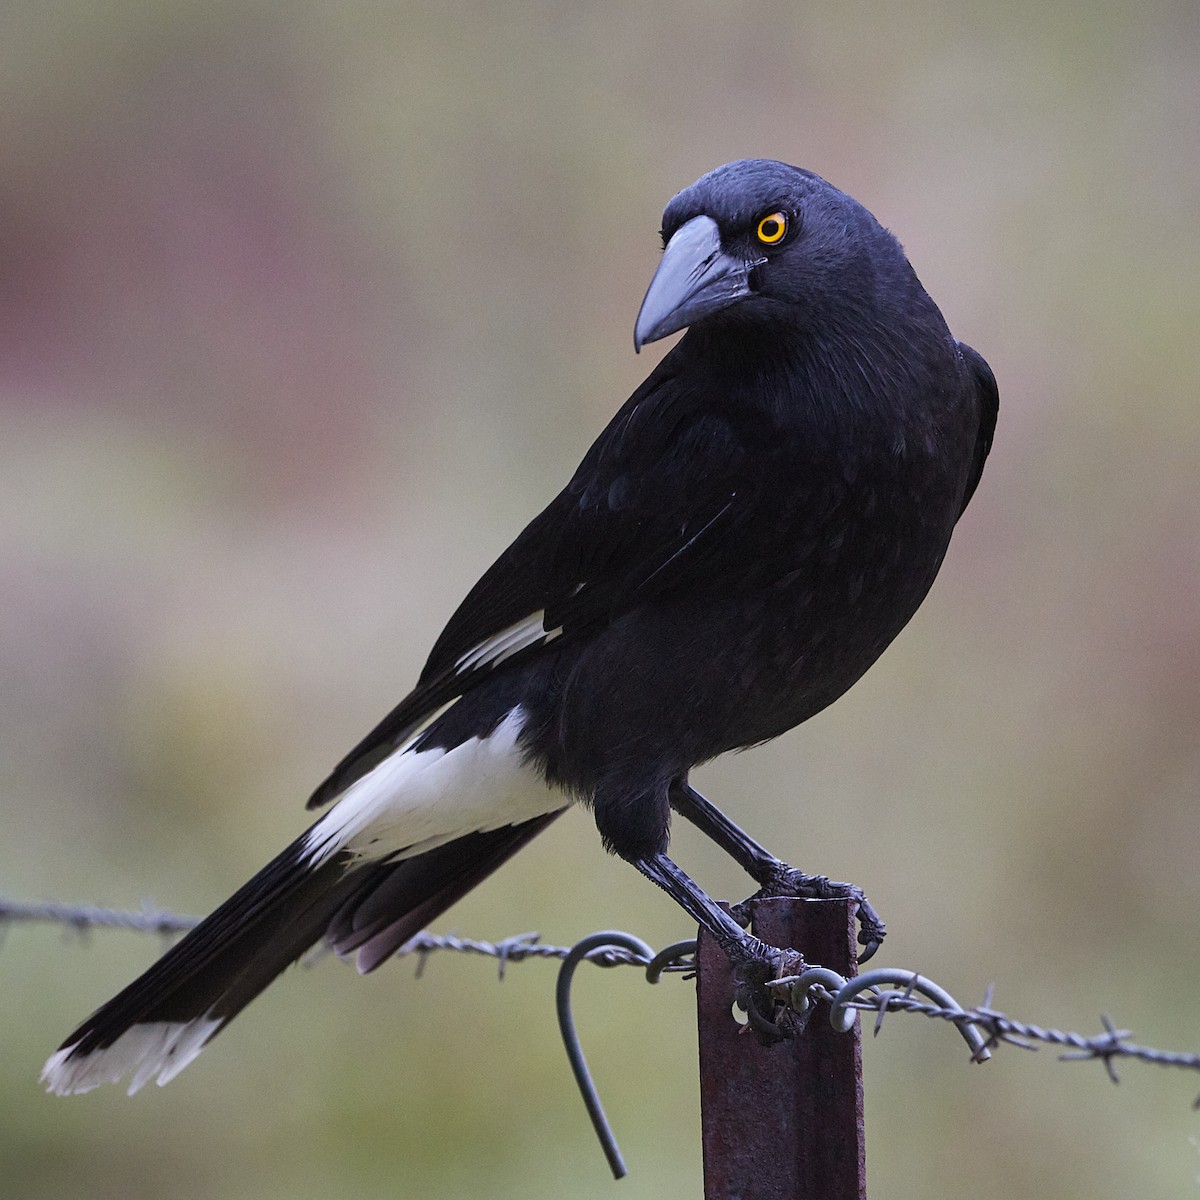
(305, 308)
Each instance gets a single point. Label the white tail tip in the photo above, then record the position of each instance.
(158, 1049)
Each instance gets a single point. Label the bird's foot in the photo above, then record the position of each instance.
(769, 1016)
(787, 881)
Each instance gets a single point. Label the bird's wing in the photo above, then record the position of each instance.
(988, 395)
(669, 480)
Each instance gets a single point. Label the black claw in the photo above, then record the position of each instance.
(869, 946)
(871, 930)
(755, 965)
(767, 1030)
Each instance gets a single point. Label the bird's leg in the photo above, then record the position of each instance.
(775, 876)
(755, 963)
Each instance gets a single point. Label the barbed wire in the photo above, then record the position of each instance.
(864, 993)
(83, 918)
(882, 991)
(868, 996)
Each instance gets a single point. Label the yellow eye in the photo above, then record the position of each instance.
(772, 228)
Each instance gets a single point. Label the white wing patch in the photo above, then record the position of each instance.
(158, 1048)
(418, 799)
(531, 631)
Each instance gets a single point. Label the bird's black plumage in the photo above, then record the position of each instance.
(749, 533)
(754, 526)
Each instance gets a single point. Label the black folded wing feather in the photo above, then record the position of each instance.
(666, 484)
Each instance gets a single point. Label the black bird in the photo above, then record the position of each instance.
(755, 525)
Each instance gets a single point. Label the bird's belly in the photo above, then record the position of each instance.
(823, 621)
(811, 645)
(682, 681)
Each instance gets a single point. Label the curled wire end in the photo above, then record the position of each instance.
(566, 1025)
(801, 985)
(673, 956)
(841, 1014)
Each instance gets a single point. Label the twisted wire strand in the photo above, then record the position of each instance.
(83, 918)
(996, 1027)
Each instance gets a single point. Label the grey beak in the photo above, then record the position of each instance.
(694, 279)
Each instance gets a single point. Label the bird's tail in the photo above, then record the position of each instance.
(162, 1020)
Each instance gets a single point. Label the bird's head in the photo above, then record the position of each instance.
(764, 241)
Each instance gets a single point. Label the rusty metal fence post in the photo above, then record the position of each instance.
(782, 1122)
